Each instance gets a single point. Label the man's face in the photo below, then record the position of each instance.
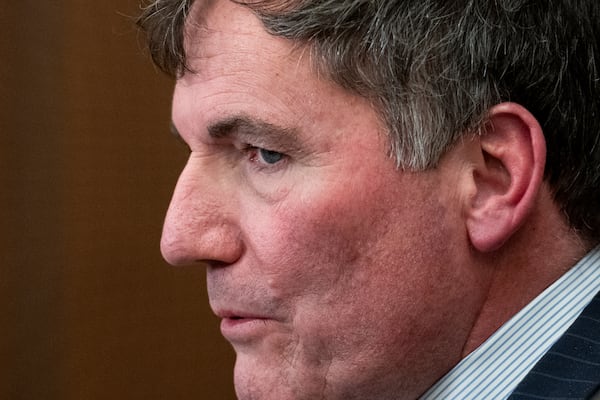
(336, 276)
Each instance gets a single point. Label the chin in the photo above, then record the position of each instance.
(255, 380)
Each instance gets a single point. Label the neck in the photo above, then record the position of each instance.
(534, 258)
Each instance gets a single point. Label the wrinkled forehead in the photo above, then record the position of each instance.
(220, 21)
(218, 30)
(201, 12)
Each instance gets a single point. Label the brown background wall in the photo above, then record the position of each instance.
(88, 309)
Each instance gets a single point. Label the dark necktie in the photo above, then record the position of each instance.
(570, 370)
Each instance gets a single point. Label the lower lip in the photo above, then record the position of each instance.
(244, 329)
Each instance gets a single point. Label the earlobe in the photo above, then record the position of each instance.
(506, 176)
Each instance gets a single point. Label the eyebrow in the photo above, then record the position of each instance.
(246, 127)
(256, 131)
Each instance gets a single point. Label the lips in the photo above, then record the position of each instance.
(238, 315)
(240, 328)
(244, 319)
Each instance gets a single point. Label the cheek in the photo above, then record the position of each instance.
(362, 274)
(362, 250)
(343, 234)
(351, 268)
(315, 243)
(340, 258)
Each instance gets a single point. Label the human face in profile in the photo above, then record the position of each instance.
(335, 275)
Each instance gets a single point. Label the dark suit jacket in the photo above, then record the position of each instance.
(570, 370)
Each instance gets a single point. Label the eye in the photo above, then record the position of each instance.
(264, 159)
(269, 156)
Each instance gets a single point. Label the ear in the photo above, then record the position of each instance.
(508, 169)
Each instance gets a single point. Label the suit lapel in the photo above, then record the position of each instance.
(571, 368)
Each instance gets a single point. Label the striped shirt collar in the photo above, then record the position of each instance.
(496, 367)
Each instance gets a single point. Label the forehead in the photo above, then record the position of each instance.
(228, 49)
(239, 69)
(215, 27)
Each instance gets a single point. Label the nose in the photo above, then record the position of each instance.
(200, 226)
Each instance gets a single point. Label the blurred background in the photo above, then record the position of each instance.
(88, 309)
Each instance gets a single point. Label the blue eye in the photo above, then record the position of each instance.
(270, 157)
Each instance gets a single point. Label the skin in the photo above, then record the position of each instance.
(353, 280)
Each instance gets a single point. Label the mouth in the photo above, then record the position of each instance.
(240, 329)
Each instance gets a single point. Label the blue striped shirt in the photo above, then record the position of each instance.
(496, 367)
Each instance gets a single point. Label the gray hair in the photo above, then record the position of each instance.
(433, 69)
